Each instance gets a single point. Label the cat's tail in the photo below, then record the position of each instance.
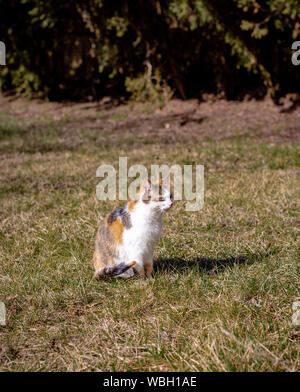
(113, 270)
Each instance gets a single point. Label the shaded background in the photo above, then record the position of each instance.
(150, 50)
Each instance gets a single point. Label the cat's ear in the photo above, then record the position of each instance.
(146, 190)
(163, 180)
(159, 182)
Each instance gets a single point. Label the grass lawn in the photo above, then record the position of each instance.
(225, 277)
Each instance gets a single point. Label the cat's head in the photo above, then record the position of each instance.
(155, 196)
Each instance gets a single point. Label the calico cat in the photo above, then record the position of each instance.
(126, 238)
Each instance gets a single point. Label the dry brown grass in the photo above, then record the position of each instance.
(225, 277)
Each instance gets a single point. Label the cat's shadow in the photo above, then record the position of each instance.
(206, 265)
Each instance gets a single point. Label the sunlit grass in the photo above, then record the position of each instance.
(225, 277)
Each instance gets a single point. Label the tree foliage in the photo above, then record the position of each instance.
(145, 47)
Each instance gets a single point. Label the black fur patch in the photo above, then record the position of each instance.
(122, 213)
(116, 269)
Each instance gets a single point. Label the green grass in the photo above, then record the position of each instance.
(225, 277)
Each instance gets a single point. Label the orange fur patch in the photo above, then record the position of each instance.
(140, 190)
(111, 261)
(97, 260)
(131, 205)
(117, 229)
